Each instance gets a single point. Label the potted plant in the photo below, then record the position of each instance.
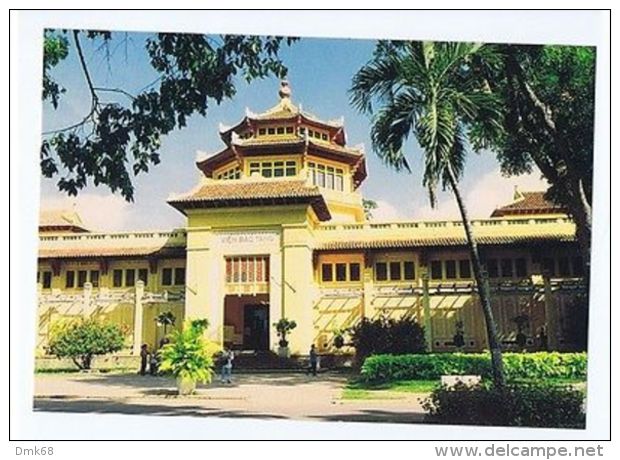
(187, 357)
(338, 338)
(283, 327)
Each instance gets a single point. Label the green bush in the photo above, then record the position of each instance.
(529, 366)
(81, 340)
(531, 405)
(383, 335)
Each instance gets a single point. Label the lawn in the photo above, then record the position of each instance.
(356, 389)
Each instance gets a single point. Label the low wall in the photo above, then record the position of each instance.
(106, 362)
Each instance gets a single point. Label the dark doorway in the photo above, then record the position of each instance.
(256, 327)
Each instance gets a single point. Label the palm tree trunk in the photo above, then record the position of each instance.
(482, 285)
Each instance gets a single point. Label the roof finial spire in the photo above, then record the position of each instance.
(285, 89)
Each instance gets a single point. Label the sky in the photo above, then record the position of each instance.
(320, 72)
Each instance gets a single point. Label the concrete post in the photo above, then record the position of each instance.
(86, 303)
(138, 317)
(551, 317)
(426, 306)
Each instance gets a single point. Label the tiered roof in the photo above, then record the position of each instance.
(237, 146)
(254, 193)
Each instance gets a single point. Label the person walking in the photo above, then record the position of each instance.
(227, 359)
(314, 360)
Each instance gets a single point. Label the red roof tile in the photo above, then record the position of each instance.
(252, 193)
(529, 203)
(90, 252)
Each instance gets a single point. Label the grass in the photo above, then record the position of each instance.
(359, 390)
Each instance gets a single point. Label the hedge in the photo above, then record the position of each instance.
(532, 405)
(540, 365)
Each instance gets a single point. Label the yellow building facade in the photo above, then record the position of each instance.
(276, 229)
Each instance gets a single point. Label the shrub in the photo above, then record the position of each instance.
(187, 355)
(531, 405)
(530, 366)
(81, 340)
(382, 335)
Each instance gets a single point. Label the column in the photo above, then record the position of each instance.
(551, 315)
(138, 317)
(426, 307)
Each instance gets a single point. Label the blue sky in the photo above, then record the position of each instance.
(320, 72)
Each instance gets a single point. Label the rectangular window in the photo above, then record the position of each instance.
(450, 269)
(341, 272)
(409, 269)
(320, 176)
(262, 131)
(117, 278)
(492, 268)
(506, 268)
(271, 131)
(70, 279)
(47, 280)
(289, 130)
(82, 277)
(281, 130)
(339, 184)
(327, 274)
(179, 276)
(563, 266)
(329, 182)
(577, 266)
(520, 267)
(317, 135)
(94, 278)
(436, 272)
(166, 277)
(324, 136)
(310, 133)
(395, 274)
(291, 168)
(381, 271)
(278, 169)
(354, 272)
(143, 275)
(464, 268)
(130, 277)
(302, 131)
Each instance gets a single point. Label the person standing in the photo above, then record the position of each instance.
(227, 358)
(314, 359)
(144, 357)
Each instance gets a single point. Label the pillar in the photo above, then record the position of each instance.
(138, 317)
(426, 307)
(551, 315)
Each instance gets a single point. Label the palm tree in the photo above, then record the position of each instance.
(166, 318)
(429, 90)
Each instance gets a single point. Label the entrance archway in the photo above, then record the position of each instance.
(246, 322)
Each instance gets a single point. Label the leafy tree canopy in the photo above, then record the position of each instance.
(120, 139)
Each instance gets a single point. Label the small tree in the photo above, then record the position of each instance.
(83, 339)
(165, 319)
(187, 356)
(283, 327)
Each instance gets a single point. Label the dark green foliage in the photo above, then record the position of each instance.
(283, 327)
(542, 365)
(528, 405)
(83, 339)
(383, 335)
(121, 137)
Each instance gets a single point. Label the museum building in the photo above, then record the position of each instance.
(276, 228)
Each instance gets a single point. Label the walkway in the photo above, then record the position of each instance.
(269, 396)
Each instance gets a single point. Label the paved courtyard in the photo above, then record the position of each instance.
(265, 395)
